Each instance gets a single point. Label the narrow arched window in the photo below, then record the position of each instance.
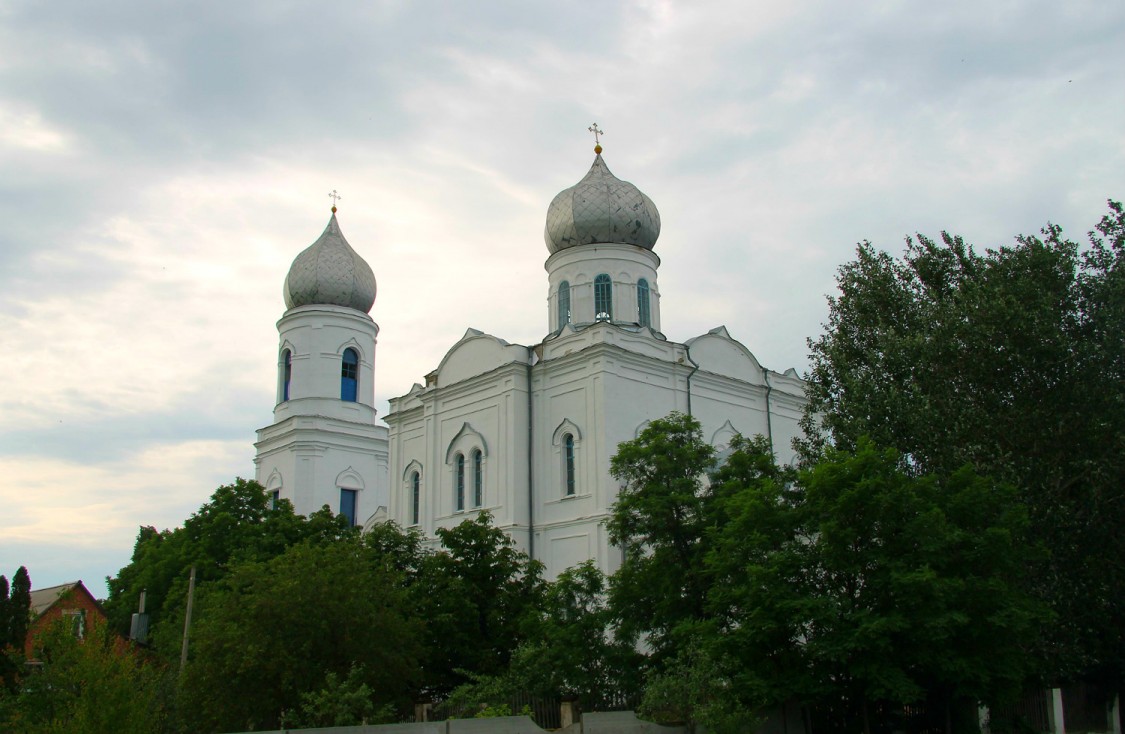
(415, 498)
(603, 298)
(568, 463)
(459, 482)
(644, 312)
(348, 503)
(564, 303)
(478, 478)
(286, 373)
(349, 375)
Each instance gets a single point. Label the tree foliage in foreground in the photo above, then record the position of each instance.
(273, 632)
(474, 592)
(660, 521)
(853, 581)
(864, 584)
(1012, 360)
(238, 524)
(569, 647)
(95, 685)
(15, 615)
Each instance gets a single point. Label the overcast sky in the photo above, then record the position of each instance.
(162, 163)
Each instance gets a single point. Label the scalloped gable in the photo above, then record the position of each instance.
(718, 353)
(475, 354)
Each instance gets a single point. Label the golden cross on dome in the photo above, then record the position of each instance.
(334, 197)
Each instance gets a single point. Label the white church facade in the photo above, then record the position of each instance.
(523, 432)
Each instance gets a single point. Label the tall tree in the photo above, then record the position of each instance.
(19, 608)
(571, 646)
(660, 520)
(270, 633)
(238, 523)
(1014, 361)
(568, 648)
(9, 668)
(474, 593)
(865, 584)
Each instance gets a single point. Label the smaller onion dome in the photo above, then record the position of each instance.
(601, 209)
(329, 272)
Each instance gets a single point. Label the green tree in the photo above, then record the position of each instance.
(474, 593)
(341, 702)
(695, 691)
(238, 524)
(95, 685)
(270, 632)
(15, 616)
(660, 519)
(864, 583)
(1014, 361)
(571, 645)
(19, 608)
(568, 648)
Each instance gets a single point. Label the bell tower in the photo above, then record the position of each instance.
(324, 447)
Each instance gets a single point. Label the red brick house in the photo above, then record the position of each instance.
(71, 601)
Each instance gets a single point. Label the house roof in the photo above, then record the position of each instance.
(44, 599)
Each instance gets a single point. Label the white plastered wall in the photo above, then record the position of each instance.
(318, 443)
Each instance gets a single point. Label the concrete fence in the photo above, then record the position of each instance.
(615, 722)
(1055, 720)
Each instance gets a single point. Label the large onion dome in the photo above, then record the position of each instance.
(601, 209)
(329, 272)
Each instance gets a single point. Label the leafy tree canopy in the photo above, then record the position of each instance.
(866, 583)
(97, 684)
(267, 636)
(475, 593)
(238, 524)
(1012, 360)
(660, 520)
(15, 616)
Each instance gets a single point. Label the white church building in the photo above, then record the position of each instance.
(523, 432)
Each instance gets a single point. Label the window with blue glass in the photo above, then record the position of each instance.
(415, 497)
(349, 375)
(286, 373)
(478, 478)
(347, 504)
(603, 298)
(459, 482)
(564, 303)
(568, 461)
(644, 312)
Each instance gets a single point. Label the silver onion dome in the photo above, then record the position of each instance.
(601, 209)
(329, 272)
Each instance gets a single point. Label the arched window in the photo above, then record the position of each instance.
(459, 482)
(286, 373)
(347, 504)
(415, 498)
(349, 375)
(568, 463)
(603, 298)
(478, 478)
(564, 303)
(644, 312)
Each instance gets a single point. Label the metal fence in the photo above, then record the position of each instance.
(1086, 708)
(847, 717)
(1029, 715)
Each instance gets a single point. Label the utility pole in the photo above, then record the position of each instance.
(187, 617)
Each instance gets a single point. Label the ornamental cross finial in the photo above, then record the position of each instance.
(334, 197)
(597, 133)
